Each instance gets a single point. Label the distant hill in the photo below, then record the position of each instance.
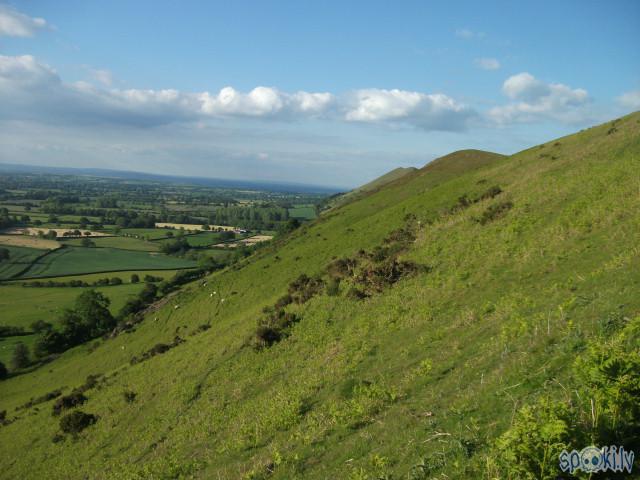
(470, 319)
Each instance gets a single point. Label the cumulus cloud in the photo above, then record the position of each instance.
(630, 100)
(428, 111)
(33, 90)
(487, 63)
(533, 100)
(16, 24)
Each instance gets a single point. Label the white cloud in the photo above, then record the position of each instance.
(487, 63)
(104, 77)
(428, 111)
(534, 100)
(467, 34)
(32, 90)
(16, 24)
(630, 100)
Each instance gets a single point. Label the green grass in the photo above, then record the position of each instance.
(125, 243)
(19, 259)
(306, 212)
(147, 233)
(433, 367)
(92, 277)
(203, 239)
(77, 260)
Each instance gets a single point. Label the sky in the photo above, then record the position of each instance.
(331, 93)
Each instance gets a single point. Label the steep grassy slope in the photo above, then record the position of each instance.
(433, 367)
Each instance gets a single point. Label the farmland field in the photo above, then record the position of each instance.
(28, 241)
(47, 303)
(19, 259)
(203, 239)
(306, 212)
(77, 260)
(92, 277)
(125, 243)
(146, 233)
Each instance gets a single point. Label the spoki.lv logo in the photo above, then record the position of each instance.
(593, 459)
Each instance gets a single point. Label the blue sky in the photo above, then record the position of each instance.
(331, 93)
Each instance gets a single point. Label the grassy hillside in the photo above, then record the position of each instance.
(485, 278)
(373, 185)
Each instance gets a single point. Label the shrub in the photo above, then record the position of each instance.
(304, 288)
(135, 278)
(20, 357)
(77, 421)
(283, 301)
(495, 211)
(356, 294)
(129, 396)
(377, 277)
(342, 267)
(74, 399)
(492, 192)
(41, 326)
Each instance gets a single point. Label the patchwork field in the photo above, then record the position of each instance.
(192, 226)
(19, 259)
(77, 260)
(28, 241)
(146, 233)
(125, 243)
(306, 212)
(245, 241)
(21, 306)
(59, 231)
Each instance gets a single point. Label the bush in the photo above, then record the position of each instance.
(135, 278)
(129, 396)
(304, 288)
(40, 326)
(342, 267)
(77, 421)
(20, 358)
(115, 281)
(356, 294)
(74, 399)
(377, 277)
(495, 211)
(3, 371)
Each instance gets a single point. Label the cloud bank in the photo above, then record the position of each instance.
(16, 24)
(33, 90)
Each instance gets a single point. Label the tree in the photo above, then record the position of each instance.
(87, 242)
(93, 309)
(3, 371)
(135, 278)
(40, 326)
(49, 342)
(4, 254)
(115, 281)
(20, 357)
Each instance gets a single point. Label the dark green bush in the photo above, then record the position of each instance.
(77, 421)
(74, 399)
